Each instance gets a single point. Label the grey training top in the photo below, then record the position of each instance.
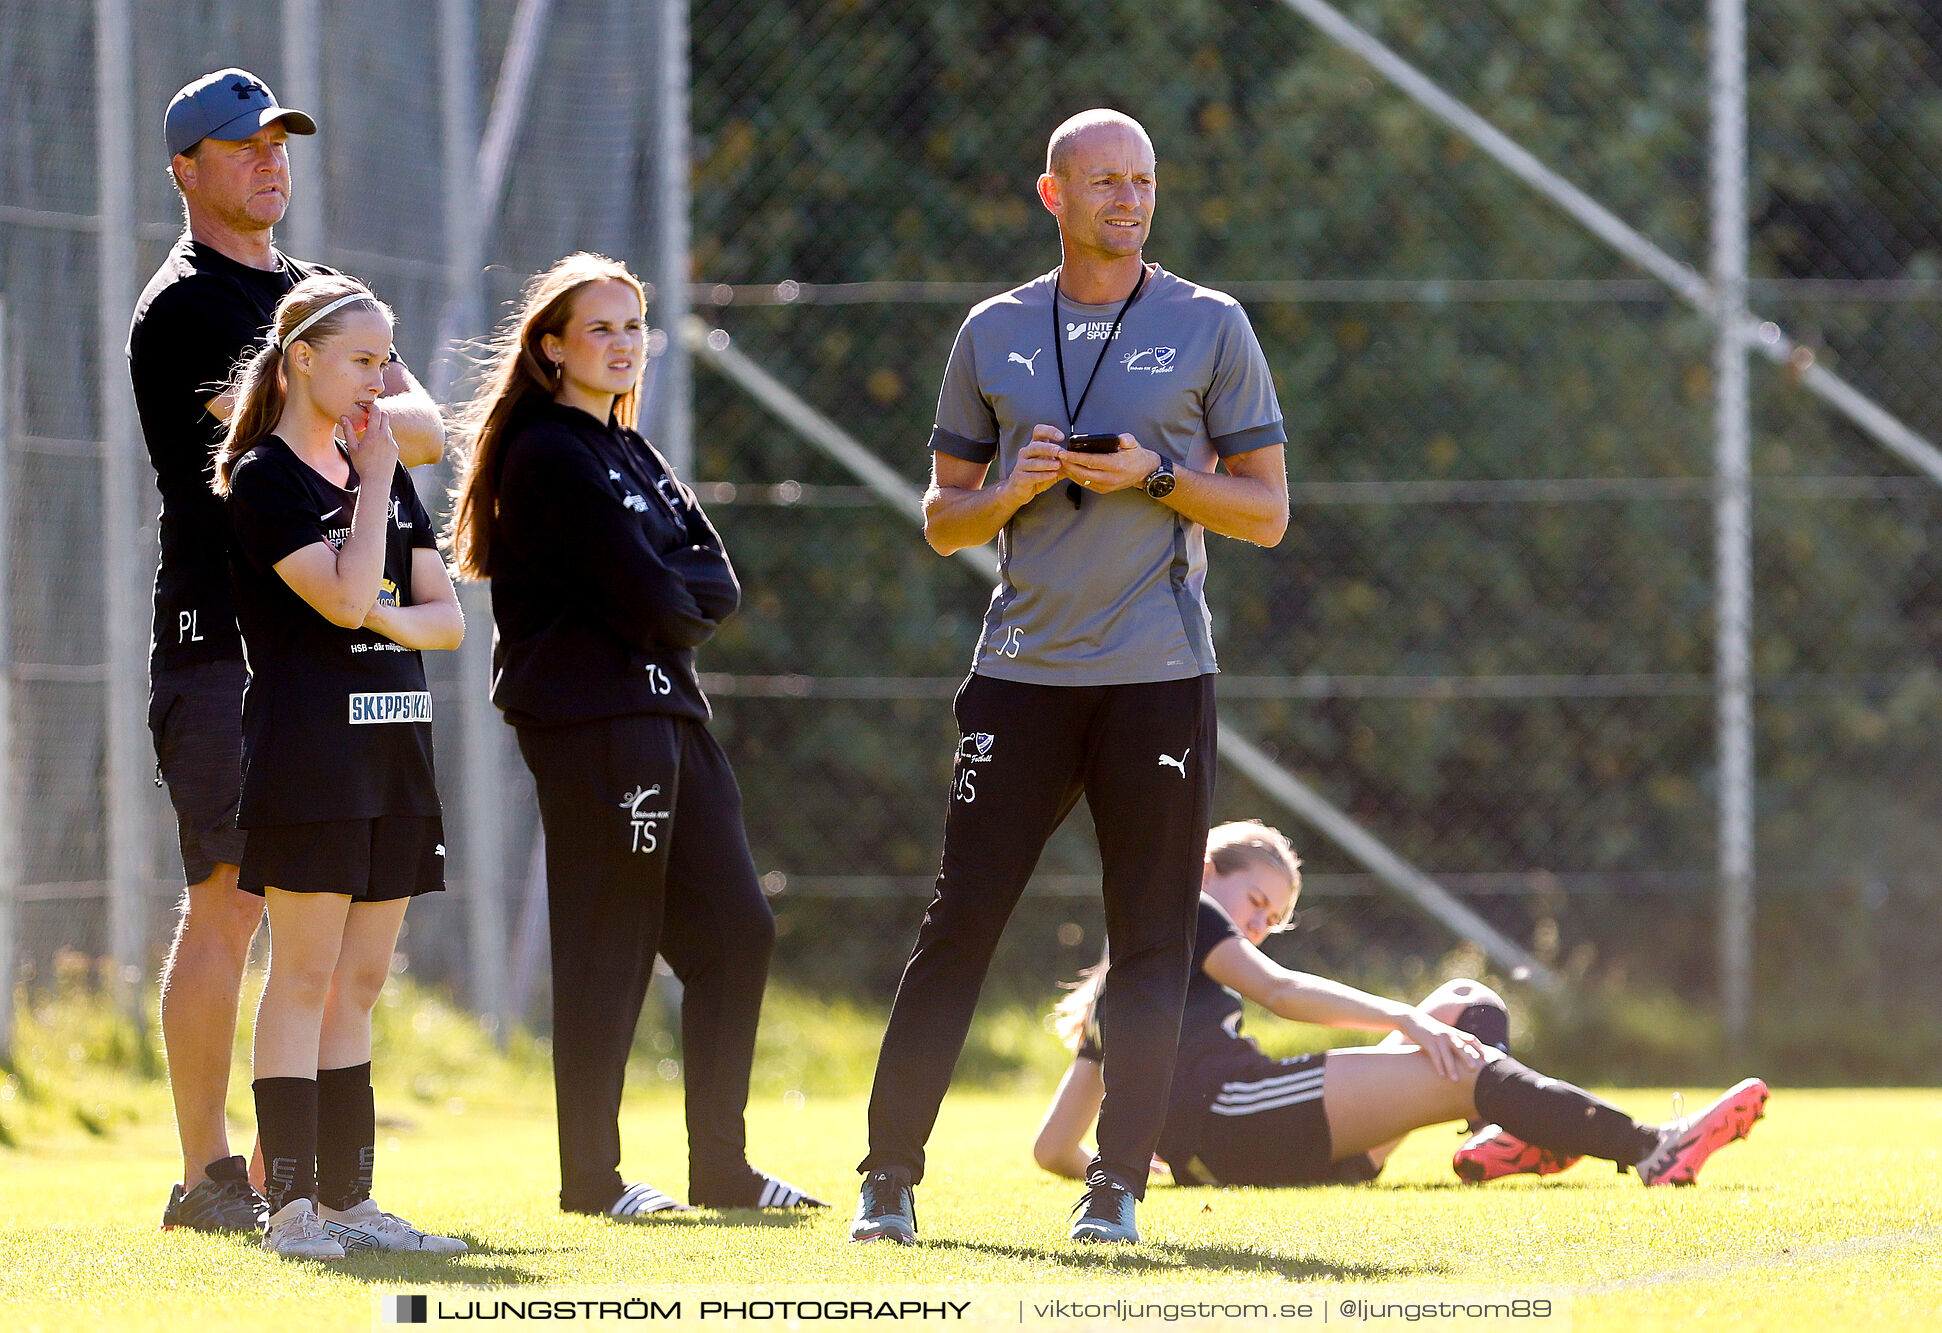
(1111, 592)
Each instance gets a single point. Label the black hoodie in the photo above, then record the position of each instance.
(605, 575)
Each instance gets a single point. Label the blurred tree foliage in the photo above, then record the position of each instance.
(899, 141)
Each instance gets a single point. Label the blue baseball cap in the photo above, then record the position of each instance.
(229, 104)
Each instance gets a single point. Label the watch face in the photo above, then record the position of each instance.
(1160, 484)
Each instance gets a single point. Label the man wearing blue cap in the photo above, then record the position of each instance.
(207, 304)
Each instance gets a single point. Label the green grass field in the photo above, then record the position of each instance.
(1826, 1219)
(1829, 1217)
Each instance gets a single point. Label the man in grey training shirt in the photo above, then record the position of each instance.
(1094, 673)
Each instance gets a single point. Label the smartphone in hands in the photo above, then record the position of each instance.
(1092, 444)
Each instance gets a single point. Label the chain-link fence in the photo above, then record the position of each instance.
(1490, 634)
(405, 100)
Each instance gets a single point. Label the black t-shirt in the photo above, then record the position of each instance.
(1212, 1050)
(199, 315)
(606, 575)
(337, 723)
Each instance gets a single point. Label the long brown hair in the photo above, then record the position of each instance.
(257, 386)
(1230, 847)
(517, 372)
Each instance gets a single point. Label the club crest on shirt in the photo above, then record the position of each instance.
(1150, 360)
(975, 748)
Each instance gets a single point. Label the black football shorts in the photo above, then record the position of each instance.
(195, 714)
(1270, 1128)
(371, 860)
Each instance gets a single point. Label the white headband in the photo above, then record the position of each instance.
(336, 305)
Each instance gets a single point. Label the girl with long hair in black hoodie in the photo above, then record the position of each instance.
(606, 576)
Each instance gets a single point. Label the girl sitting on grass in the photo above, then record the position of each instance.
(1237, 1117)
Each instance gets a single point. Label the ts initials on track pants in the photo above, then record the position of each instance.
(1143, 757)
(645, 853)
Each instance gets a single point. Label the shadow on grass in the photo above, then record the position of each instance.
(390, 1269)
(751, 1217)
(1482, 1191)
(714, 1217)
(1158, 1258)
(475, 1269)
(1587, 1184)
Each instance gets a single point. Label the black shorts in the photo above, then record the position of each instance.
(1270, 1128)
(372, 860)
(195, 714)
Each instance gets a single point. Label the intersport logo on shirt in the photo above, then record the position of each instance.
(1093, 329)
(391, 706)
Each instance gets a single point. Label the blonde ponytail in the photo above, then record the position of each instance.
(258, 388)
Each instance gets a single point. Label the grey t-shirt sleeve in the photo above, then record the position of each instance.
(1242, 411)
(966, 426)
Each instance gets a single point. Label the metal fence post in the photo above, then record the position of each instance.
(9, 787)
(482, 854)
(464, 227)
(674, 375)
(304, 223)
(481, 849)
(1732, 520)
(121, 567)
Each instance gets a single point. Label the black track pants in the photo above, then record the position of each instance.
(1143, 757)
(645, 853)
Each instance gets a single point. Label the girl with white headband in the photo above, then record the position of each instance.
(338, 584)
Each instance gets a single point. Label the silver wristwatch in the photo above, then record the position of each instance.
(1159, 482)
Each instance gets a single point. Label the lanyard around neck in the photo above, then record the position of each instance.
(1058, 344)
(1072, 491)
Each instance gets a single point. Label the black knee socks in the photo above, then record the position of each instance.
(286, 1122)
(347, 1135)
(319, 1136)
(1555, 1115)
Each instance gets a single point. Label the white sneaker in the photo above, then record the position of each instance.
(296, 1232)
(368, 1227)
